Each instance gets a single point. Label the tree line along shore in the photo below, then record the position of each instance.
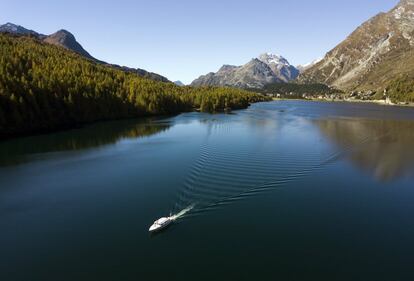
(45, 88)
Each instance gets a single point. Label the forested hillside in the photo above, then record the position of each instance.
(401, 89)
(44, 87)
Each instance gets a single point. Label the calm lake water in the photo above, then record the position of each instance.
(281, 191)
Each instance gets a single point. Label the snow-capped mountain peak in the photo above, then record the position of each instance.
(270, 58)
(266, 69)
(280, 66)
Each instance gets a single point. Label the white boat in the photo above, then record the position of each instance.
(160, 224)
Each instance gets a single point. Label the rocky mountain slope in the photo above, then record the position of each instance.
(67, 40)
(20, 30)
(280, 66)
(179, 83)
(373, 56)
(266, 69)
(304, 67)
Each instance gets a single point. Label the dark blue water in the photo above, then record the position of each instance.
(281, 191)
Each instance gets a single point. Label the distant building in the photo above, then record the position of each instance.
(388, 100)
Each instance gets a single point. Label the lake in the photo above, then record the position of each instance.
(285, 190)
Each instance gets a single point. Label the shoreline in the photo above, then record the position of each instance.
(68, 127)
(377, 102)
(6, 137)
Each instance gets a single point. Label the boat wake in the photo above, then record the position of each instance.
(226, 173)
(182, 213)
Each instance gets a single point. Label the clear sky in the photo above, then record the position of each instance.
(183, 39)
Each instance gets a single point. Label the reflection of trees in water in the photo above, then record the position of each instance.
(385, 148)
(99, 134)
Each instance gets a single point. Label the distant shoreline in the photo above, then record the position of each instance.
(377, 102)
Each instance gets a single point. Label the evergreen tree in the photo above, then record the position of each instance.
(45, 87)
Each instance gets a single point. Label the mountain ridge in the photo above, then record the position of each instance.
(179, 83)
(266, 69)
(371, 57)
(67, 40)
(44, 88)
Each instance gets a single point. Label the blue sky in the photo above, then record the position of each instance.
(187, 38)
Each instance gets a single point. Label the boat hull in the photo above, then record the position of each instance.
(157, 228)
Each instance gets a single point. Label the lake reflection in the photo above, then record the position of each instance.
(91, 136)
(384, 148)
(293, 190)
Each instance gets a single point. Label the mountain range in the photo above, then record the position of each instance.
(67, 40)
(44, 88)
(378, 56)
(373, 56)
(266, 69)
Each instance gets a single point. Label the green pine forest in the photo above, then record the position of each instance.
(401, 89)
(45, 88)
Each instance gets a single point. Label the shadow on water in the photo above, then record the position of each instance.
(18, 151)
(388, 155)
